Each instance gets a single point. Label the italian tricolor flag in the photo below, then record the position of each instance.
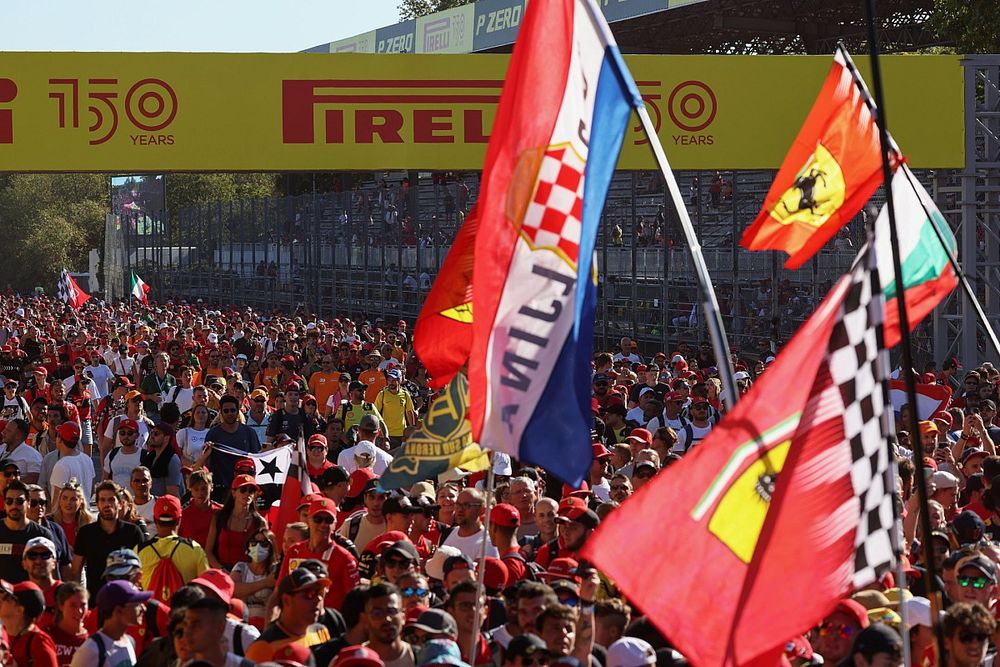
(139, 288)
(927, 275)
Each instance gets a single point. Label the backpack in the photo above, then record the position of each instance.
(102, 650)
(166, 578)
(532, 569)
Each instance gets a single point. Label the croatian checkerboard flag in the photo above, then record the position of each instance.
(555, 142)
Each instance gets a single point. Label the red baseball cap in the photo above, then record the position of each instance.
(360, 479)
(307, 500)
(243, 480)
(495, 574)
(357, 656)
(68, 431)
(600, 451)
(642, 435)
(129, 424)
(245, 464)
(563, 568)
(506, 515)
(167, 509)
(218, 582)
(318, 438)
(321, 505)
(575, 509)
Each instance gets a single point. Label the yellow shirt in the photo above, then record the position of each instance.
(394, 407)
(189, 557)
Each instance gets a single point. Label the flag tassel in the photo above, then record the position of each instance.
(710, 304)
(882, 124)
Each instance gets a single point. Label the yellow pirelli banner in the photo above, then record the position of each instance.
(135, 112)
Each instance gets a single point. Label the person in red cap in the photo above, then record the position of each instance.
(237, 635)
(20, 607)
(341, 565)
(187, 557)
(316, 457)
(600, 471)
(357, 656)
(505, 519)
(235, 524)
(576, 523)
(836, 633)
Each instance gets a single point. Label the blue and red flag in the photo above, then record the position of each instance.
(555, 143)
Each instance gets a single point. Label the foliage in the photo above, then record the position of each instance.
(186, 191)
(972, 25)
(49, 222)
(411, 9)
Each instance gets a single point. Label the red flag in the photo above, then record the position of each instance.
(832, 169)
(297, 485)
(760, 530)
(442, 336)
(69, 292)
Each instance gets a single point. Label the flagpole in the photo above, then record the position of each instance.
(481, 569)
(953, 260)
(904, 326)
(713, 318)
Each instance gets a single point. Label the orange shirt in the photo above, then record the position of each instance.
(375, 380)
(323, 385)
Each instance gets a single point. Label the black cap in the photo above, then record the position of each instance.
(525, 646)
(402, 548)
(396, 504)
(877, 638)
(356, 385)
(333, 475)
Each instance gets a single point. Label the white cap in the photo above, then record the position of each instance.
(502, 464)
(213, 337)
(943, 479)
(364, 450)
(676, 358)
(918, 612)
(435, 564)
(630, 652)
(43, 542)
(741, 375)
(451, 475)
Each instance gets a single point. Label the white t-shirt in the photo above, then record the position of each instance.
(102, 376)
(77, 465)
(119, 653)
(191, 441)
(120, 469)
(382, 460)
(472, 545)
(184, 398)
(146, 512)
(14, 408)
(249, 634)
(602, 490)
(26, 457)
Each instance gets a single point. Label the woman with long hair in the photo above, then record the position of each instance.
(313, 422)
(191, 439)
(67, 630)
(255, 578)
(70, 510)
(234, 525)
(127, 511)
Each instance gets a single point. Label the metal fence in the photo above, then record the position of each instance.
(373, 250)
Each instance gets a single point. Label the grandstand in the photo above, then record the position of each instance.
(334, 253)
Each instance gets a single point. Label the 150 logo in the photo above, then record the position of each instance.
(8, 91)
(149, 105)
(691, 106)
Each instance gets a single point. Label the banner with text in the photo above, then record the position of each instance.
(159, 112)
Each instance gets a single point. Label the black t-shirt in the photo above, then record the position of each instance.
(221, 464)
(12, 548)
(289, 424)
(93, 544)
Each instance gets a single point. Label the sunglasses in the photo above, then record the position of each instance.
(38, 555)
(14, 501)
(247, 489)
(229, 411)
(37, 502)
(975, 582)
(11, 473)
(323, 518)
(969, 637)
(410, 592)
(844, 631)
(397, 562)
(317, 449)
(540, 660)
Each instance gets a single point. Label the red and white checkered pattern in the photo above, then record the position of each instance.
(554, 216)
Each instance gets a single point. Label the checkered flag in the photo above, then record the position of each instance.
(69, 292)
(858, 366)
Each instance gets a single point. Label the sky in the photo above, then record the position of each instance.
(284, 26)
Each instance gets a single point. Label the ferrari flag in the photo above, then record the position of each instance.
(442, 336)
(558, 131)
(69, 292)
(832, 169)
(807, 474)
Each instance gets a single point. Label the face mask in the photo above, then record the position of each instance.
(259, 552)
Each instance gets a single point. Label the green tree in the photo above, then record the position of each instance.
(411, 9)
(189, 190)
(972, 25)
